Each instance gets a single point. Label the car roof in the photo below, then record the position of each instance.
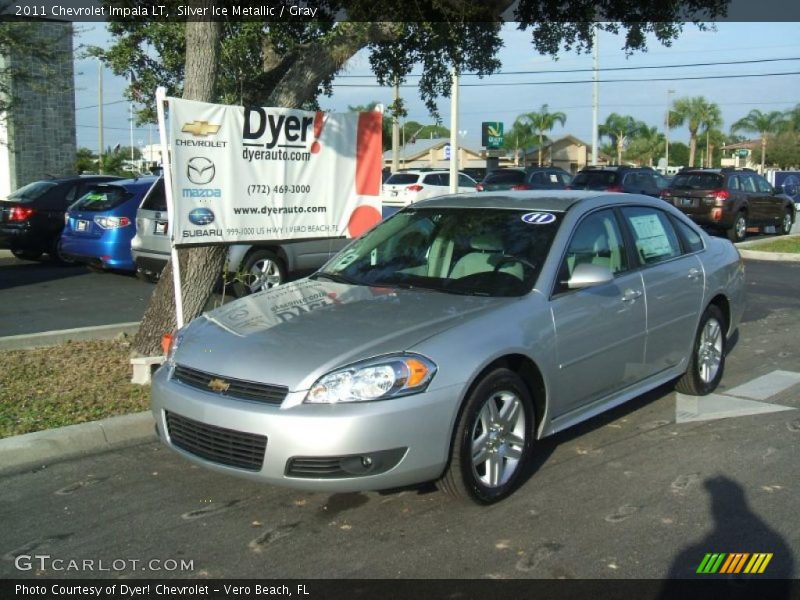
(135, 185)
(71, 178)
(549, 200)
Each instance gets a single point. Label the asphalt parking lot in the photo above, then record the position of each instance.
(644, 491)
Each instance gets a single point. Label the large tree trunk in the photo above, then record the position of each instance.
(692, 148)
(763, 151)
(200, 267)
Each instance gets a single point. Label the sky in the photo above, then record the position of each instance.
(732, 42)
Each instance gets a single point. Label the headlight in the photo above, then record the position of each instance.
(170, 343)
(375, 379)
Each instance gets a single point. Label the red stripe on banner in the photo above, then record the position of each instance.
(369, 154)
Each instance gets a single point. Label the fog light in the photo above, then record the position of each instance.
(366, 461)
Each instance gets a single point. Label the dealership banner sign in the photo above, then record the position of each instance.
(245, 174)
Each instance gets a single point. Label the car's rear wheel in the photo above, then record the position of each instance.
(786, 223)
(493, 440)
(738, 230)
(57, 256)
(26, 254)
(707, 362)
(261, 270)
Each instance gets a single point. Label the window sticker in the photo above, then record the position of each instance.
(651, 238)
(538, 218)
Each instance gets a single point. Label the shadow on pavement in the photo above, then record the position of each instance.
(15, 273)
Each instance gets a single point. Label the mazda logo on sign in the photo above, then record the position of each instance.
(200, 170)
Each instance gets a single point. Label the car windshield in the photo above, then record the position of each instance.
(484, 252)
(32, 191)
(697, 181)
(102, 197)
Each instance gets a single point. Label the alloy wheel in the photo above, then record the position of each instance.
(498, 439)
(709, 353)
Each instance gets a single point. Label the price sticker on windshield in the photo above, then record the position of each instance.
(536, 218)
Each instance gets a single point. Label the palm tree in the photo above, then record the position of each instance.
(714, 140)
(696, 112)
(648, 144)
(618, 129)
(542, 122)
(765, 124)
(792, 122)
(519, 137)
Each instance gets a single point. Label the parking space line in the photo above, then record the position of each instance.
(766, 386)
(719, 406)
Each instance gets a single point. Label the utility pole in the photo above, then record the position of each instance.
(396, 129)
(595, 94)
(100, 116)
(454, 132)
(130, 111)
(666, 131)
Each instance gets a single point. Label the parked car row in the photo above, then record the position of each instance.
(109, 223)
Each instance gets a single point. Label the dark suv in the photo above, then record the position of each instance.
(730, 200)
(532, 178)
(633, 180)
(31, 219)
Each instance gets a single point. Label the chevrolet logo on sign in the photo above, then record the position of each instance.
(219, 385)
(200, 128)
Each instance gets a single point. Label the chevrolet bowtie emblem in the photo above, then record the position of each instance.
(198, 128)
(219, 385)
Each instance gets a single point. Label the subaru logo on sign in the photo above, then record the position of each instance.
(539, 218)
(201, 216)
(200, 170)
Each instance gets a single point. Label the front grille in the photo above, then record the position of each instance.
(236, 388)
(217, 444)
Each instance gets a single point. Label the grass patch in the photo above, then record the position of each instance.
(787, 244)
(71, 383)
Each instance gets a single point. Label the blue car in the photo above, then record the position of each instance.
(101, 224)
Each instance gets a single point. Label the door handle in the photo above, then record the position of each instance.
(694, 273)
(631, 295)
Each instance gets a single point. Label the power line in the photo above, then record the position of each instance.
(104, 104)
(588, 70)
(518, 83)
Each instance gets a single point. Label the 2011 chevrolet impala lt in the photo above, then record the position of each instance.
(441, 344)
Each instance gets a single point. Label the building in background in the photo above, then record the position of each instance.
(37, 137)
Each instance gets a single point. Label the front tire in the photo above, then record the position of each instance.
(738, 230)
(707, 362)
(261, 270)
(786, 223)
(493, 440)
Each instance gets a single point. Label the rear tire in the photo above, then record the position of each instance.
(261, 270)
(26, 254)
(738, 231)
(493, 440)
(707, 363)
(57, 256)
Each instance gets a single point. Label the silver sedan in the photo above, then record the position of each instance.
(447, 340)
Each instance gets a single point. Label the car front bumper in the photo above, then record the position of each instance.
(408, 438)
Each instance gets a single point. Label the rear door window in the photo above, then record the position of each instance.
(437, 179)
(402, 179)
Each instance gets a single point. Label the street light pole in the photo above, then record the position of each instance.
(666, 132)
(454, 132)
(595, 95)
(100, 116)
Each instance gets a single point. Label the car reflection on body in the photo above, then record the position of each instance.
(445, 341)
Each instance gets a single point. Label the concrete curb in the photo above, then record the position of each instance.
(41, 448)
(53, 338)
(750, 250)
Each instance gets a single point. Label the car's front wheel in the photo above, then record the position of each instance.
(261, 270)
(493, 440)
(707, 362)
(786, 223)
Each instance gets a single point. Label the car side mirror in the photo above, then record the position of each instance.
(588, 275)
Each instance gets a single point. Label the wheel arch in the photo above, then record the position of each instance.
(531, 376)
(721, 301)
(277, 249)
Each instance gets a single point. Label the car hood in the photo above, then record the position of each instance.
(293, 334)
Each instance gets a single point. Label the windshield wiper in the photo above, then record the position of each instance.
(335, 277)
